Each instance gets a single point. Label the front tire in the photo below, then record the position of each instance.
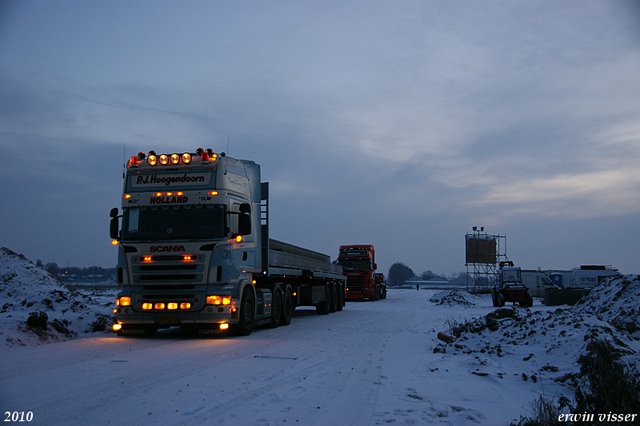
(247, 314)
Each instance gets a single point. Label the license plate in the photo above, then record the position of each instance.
(167, 320)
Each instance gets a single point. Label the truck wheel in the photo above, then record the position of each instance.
(502, 299)
(495, 297)
(247, 314)
(287, 307)
(340, 294)
(323, 307)
(334, 299)
(276, 307)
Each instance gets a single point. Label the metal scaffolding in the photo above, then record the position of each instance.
(484, 252)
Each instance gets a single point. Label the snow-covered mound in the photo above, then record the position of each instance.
(617, 301)
(451, 298)
(35, 307)
(547, 343)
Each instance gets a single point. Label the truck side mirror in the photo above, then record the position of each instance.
(113, 228)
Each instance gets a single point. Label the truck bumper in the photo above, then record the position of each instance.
(165, 319)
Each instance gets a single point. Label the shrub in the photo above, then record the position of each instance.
(608, 385)
(37, 320)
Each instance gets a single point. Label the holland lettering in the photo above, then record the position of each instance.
(169, 200)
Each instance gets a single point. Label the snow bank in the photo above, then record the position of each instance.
(57, 313)
(615, 300)
(451, 298)
(544, 345)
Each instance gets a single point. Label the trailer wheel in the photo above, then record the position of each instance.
(334, 298)
(287, 306)
(340, 294)
(323, 307)
(247, 314)
(276, 307)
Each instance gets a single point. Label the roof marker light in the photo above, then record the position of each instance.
(141, 155)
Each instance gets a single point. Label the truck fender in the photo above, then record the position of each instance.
(246, 285)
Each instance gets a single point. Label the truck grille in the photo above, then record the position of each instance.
(356, 280)
(167, 270)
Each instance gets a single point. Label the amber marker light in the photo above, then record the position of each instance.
(115, 242)
(147, 306)
(214, 300)
(239, 239)
(172, 306)
(159, 306)
(185, 305)
(126, 196)
(226, 300)
(117, 327)
(125, 301)
(224, 326)
(213, 192)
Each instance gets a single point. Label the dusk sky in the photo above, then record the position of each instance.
(401, 124)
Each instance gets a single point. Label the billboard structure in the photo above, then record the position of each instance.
(483, 253)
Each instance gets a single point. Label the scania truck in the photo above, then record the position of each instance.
(194, 250)
(359, 266)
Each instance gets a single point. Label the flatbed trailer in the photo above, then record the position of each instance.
(194, 250)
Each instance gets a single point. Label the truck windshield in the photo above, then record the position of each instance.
(355, 264)
(173, 222)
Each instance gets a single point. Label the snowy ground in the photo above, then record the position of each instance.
(375, 363)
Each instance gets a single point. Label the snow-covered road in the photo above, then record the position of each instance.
(372, 363)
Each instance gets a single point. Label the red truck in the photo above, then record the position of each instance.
(359, 266)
